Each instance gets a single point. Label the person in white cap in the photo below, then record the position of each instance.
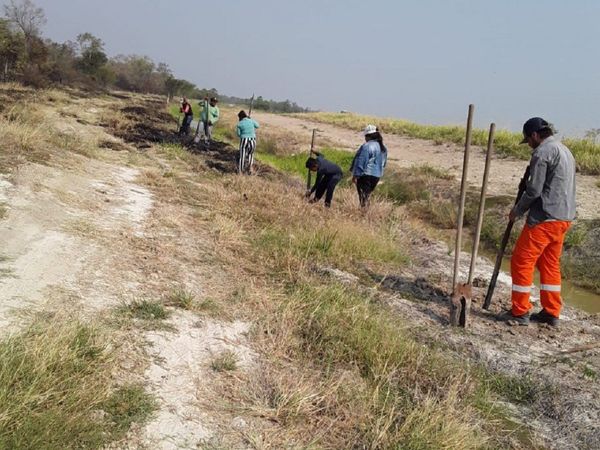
(368, 164)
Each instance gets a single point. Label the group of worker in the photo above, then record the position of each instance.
(548, 201)
(209, 115)
(367, 167)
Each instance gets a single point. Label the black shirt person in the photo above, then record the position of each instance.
(328, 176)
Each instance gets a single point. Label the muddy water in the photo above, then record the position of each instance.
(571, 294)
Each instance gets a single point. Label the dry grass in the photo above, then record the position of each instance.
(340, 371)
(31, 134)
(57, 389)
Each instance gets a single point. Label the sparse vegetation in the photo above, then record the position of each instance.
(586, 152)
(341, 368)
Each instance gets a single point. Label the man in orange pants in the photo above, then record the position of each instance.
(550, 200)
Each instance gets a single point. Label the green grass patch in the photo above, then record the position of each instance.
(586, 152)
(128, 405)
(55, 389)
(296, 164)
(181, 298)
(184, 299)
(329, 243)
(580, 262)
(3, 210)
(420, 183)
(590, 373)
(149, 315)
(225, 362)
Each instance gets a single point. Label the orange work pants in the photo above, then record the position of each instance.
(538, 246)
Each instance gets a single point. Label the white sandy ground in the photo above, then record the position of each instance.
(181, 362)
(505, 173)
(38, 246)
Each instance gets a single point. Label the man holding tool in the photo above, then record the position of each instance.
(188, 115)
(246, 131)
(549, 199)
(209, 117)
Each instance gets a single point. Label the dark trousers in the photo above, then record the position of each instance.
(365, 185)
(327, 183)
(185, 125)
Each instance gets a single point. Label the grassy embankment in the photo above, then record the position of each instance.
(58, 385)
(336, 359)
(431, 194)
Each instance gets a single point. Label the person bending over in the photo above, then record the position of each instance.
(246, 131)
(328, 176)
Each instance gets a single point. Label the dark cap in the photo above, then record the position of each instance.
(532, 125)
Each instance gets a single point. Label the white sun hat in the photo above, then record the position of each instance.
(369, 129)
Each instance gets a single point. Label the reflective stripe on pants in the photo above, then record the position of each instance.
(538, 246)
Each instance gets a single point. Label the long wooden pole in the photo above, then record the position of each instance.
(486, 171)
(312, 147)
(251, 105)
(463, 194)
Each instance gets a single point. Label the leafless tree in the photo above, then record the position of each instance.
(26, 16)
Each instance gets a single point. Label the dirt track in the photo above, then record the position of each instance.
(505, 173)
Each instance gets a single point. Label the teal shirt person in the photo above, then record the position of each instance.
(213, 113)
(246, 128)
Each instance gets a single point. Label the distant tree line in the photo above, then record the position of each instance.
(28, 58)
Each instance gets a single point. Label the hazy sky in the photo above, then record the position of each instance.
(419, 60)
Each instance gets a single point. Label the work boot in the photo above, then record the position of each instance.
(545, 317)
(509, 318)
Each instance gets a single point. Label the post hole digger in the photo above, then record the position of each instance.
(505, 238)
(200, 123)
(460, 302)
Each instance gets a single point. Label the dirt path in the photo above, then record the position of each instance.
(504, 175)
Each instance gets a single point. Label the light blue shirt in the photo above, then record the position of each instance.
(369, 160)
(246, 128)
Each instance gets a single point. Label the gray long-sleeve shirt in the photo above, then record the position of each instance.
(550, 193)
